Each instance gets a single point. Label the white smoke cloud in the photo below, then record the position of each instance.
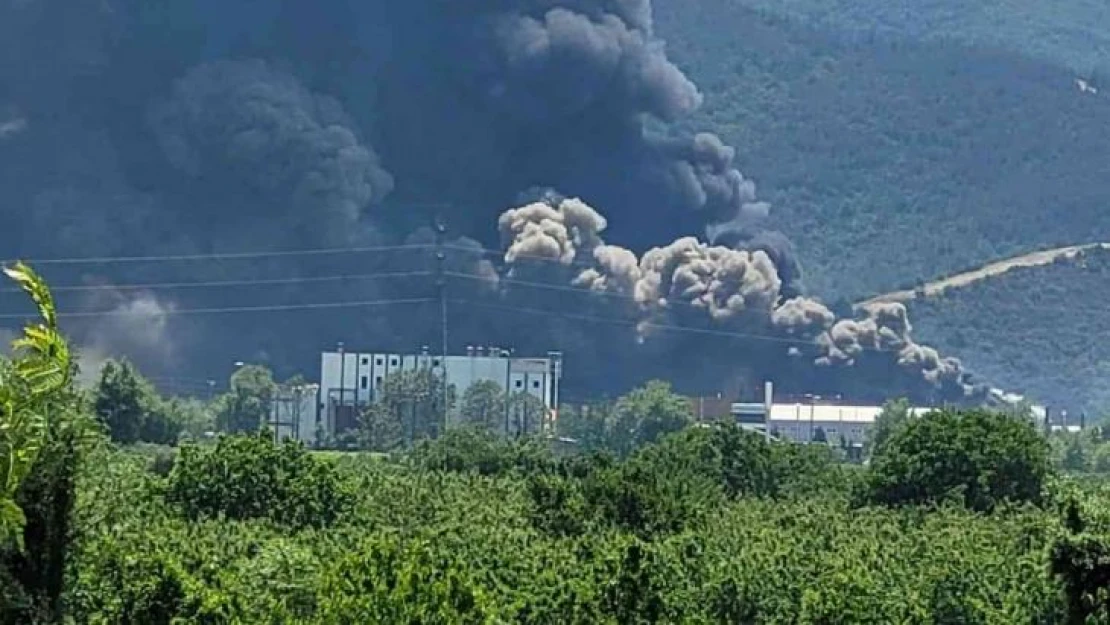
(135, 326)
(692, 281)
(542, 231)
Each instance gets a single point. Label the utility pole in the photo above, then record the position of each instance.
(507, 355)
(441, 288)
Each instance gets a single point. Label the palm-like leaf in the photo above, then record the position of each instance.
(42, 366)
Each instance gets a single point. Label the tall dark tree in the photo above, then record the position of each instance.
(121, 400)
(246, 407)
(646, 414)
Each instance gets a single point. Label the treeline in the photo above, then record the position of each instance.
(707, 524)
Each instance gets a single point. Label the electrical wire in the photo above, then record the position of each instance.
(100, 260)
(226, 283)
(232, 309)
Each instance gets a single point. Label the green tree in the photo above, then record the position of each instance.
(647, 413)
(194, 418)
(1075, 455)
(527, 413)
(483, 405)
(893, 416)
(131, 409)
(979, 456)
(415, 400)
(380, 429)
(1101, 461)
(246, 407)
(587, 424)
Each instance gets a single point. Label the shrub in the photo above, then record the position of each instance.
(249, 476)
(476, 450)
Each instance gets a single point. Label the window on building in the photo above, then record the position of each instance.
(378, 361)
(365, 360)
(435, 363)
(378, 381)
(392, 362)
(535, 383)
(365, 382)
(520, 384)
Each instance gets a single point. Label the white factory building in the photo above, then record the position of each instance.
(351, 380)
(803, 421)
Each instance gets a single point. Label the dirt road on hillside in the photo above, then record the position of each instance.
(1033, 259)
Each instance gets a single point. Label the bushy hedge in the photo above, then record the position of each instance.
(249, 477)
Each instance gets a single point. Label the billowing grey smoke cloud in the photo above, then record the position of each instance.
(723, 282)
(540, 231)
(885, 327)
(802, 316)
(245, 123)
(729, 289)
(135, 326)
(719, 281)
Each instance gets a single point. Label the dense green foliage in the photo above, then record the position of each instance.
(708, 525)
(248, 477)
(1033, 329)
(980, 458)
(132, 410)
(44, 432)
(1072, 33)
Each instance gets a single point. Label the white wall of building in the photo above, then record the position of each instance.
(293, 414)
(355, 378)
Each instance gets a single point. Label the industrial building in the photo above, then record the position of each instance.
(349, 381)
(807, 418)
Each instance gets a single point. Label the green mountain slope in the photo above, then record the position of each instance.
(1038, 330)
(888, 161)
(1073, 33)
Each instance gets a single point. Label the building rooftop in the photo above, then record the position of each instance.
(844, 414)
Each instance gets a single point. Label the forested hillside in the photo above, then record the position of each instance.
(1075, 33)
(1040, 330)
(890, 161)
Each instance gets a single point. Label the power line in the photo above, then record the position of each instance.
(647, 324)
(219, 256)
(234, 309)
(226, 283)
